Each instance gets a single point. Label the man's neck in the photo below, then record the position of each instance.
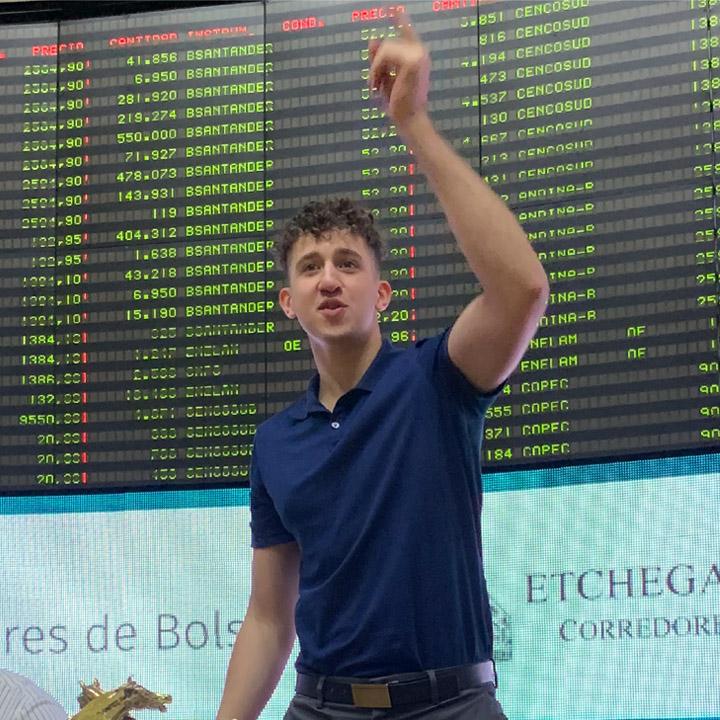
(341, 365)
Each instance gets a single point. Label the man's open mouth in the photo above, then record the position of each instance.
(331, 305)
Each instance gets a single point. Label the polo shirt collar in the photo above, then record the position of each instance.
(310, 402)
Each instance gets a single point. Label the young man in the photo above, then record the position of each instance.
(365, 494)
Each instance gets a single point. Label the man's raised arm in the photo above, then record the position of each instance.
(493, 331)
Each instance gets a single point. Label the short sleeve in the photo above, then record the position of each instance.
(448, 377)
(266, 527)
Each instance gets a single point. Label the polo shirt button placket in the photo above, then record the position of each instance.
(335, 424)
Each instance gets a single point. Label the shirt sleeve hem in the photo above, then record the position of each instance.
(460, 376)
(272, 540)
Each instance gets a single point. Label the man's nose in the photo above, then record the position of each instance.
(328, 278)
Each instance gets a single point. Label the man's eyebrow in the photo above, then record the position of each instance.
(343, 251)
(307, 256)
(348, 251)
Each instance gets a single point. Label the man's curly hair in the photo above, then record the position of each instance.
(321, 216)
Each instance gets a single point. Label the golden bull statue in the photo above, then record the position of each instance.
(96, 704)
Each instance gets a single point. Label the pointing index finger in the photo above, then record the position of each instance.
(404, 24)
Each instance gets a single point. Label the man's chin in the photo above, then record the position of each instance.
(339, 335)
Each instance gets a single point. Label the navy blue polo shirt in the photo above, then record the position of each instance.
(383, 497)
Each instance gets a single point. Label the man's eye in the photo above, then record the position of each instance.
(348, 263)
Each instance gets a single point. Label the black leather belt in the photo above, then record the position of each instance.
(433, 686)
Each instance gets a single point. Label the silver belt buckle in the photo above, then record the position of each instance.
(371, 695)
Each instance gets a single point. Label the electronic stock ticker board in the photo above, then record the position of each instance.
(148, 162)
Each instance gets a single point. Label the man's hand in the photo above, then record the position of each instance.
(400, 70)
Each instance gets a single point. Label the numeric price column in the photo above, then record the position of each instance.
(72, 292)
(28, 70)
(386, 178)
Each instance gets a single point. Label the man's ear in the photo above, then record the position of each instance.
(384, 295)
(286, 302)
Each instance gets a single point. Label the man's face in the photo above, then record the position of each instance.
(335, 290)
